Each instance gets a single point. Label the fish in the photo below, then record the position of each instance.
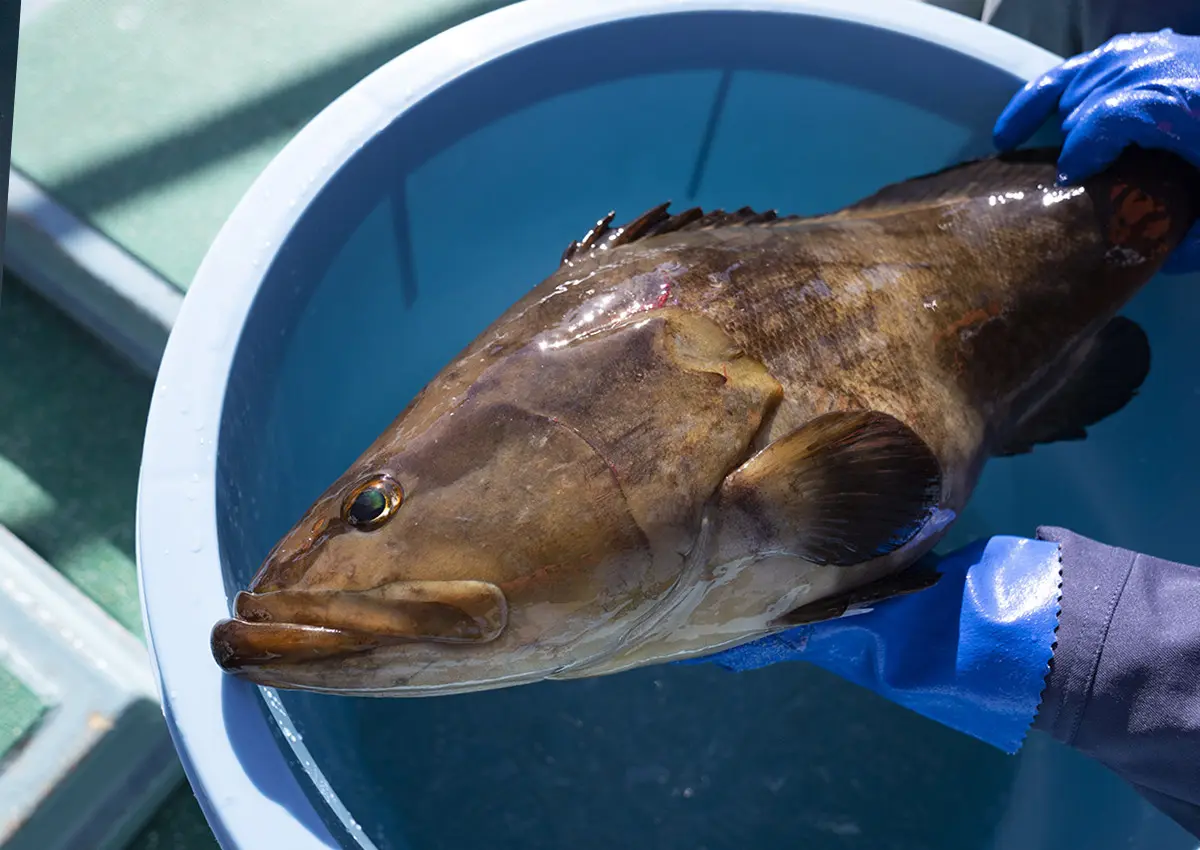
(706, 427)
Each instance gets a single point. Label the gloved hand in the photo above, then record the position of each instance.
(1139, 89)
(971, 652)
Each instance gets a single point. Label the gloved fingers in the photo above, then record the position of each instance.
(1186, 258)
(1031, 106)
(1110, 69)
(1071, 84)
(1096, 134)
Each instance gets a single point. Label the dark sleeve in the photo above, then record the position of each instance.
(1100, 20)
(1124, 684)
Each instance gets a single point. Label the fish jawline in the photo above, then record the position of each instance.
(266, 679)
(672, 610)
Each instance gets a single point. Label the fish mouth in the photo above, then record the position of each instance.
(287, 627)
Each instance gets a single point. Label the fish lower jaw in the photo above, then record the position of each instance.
(241, 647)
(272, 679)
(291, 656)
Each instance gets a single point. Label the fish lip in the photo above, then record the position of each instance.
(280, 672)
(284, 627)
(240, 646)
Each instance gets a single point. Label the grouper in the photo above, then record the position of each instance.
(708, 426)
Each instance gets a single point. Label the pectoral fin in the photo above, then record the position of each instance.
(1106, 380)
(843, 489)
(908, 581)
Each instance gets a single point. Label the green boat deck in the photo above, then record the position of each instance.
(137, 129)
(69, 449)
(20, 710)
(150, 120)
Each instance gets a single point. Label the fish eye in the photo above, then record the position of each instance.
(372, 503)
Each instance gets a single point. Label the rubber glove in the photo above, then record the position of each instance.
(972, 652)
(1141, 89)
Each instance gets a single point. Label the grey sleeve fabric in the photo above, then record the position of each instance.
(1100, 20)
(1068, 27)
(1124, 685)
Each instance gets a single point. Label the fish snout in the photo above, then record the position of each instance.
(294, 626)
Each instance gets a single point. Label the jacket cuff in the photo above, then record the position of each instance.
(971, 652)
(1093, 576)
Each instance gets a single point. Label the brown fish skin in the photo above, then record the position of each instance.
(707, 426)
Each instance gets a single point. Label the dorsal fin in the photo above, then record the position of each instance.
(999, 173)
(657, 221)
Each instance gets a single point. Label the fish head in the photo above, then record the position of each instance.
(500, 545)
(529, 529)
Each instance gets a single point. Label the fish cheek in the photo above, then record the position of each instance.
(537, 512)
(569, 553)
(570, 558)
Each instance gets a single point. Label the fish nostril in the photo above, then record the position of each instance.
(247, 608)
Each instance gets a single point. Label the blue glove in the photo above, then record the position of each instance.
(972, 652)
(1141, 89)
